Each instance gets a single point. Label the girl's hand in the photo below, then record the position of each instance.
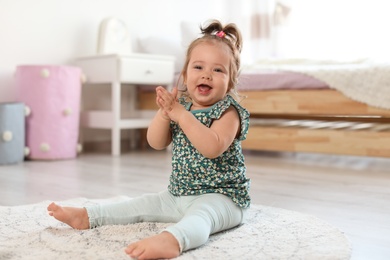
(163, 101)
(168, 103)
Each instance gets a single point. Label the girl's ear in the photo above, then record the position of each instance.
(185, 78)
(184, 84)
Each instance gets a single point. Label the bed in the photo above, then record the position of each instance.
(339, 109)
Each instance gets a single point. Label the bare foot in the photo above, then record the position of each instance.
(75, 217)
(163, 245)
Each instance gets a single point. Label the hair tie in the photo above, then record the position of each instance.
(220, 34)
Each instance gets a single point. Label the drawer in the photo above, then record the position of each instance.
(98, 70)
(146, 71)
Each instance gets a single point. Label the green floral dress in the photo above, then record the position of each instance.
(194, 174)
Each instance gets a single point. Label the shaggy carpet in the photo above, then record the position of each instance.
(28, 232)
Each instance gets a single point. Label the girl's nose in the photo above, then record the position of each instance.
(206, 76)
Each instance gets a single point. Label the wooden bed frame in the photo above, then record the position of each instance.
(323, 105)
(319, 106)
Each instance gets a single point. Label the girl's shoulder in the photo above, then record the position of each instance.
(220, 107)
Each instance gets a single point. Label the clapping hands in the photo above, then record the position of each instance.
(168, 103)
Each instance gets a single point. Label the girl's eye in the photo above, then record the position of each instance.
(218, 70)
(197, 67)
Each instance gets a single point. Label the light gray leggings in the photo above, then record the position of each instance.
(196, 217)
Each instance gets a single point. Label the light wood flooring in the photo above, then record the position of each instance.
(351, 193)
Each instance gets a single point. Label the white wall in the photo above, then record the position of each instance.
(337, 30)
(58, 31)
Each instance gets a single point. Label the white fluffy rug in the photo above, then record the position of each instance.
(27, 232)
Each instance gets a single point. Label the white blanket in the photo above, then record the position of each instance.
(363, 80)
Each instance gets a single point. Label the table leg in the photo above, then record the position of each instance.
(116, 111)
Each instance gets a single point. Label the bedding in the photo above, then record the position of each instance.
(364, 80)
(267, 79)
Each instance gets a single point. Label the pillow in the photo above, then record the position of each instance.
(163, 46)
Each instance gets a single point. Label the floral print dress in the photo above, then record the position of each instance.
(194, 174)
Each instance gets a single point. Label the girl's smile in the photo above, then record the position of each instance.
(204, 89)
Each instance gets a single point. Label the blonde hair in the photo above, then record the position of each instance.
(216, 32)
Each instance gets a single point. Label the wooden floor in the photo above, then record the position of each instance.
(352, 193)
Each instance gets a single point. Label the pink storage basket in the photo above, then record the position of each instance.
(52, 94)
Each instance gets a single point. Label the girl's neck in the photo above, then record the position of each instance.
(199, 107)
(196, 106)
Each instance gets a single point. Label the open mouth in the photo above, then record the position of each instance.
(204, 89)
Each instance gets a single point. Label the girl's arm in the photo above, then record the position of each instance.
(211, 142)
(159, 134)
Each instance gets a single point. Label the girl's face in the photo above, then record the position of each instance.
(208, 74)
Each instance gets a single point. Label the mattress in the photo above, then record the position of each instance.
(277, 80)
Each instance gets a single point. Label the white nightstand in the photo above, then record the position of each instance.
(134, 69)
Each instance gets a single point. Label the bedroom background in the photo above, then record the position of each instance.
(57, 32)
(352, 193)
